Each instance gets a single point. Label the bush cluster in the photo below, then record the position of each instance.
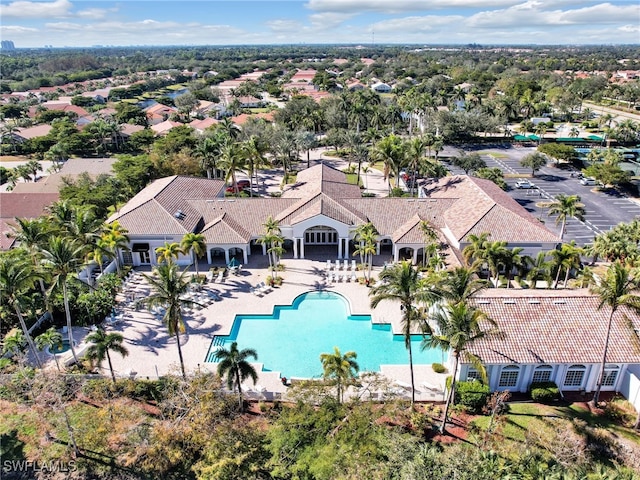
(544, 392)
(473, 395)
(438, 368)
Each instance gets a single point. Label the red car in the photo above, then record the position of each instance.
(241, 185)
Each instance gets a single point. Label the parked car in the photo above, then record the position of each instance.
(523, 183)
(588, 181)
(242, 185)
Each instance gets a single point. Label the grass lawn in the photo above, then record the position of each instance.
(178, 86)
(493, 154)
(352, 179)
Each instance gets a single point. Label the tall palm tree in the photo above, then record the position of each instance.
(460, 284)
(391, 152)
(62, 258)
(459, 326)
(194, 243)
(539, 269)
(366, 239)
(476, 248)
(254, 153)
(168, 253)
(17, 276)
(494, 255)
(50, 339)
(619, 288)
(429, 234)
(340, 368)
(232, 160)
(565, 207)
(113, 239)
(234, 366)
(401, 283)
(512, 259)
(168, 287)
(32, 235)
(102, 342)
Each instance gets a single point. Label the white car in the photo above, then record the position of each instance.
(588, 181)
(523, 183)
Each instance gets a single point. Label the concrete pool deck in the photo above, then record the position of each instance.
(152, 352)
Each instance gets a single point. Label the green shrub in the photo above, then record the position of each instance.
(438, 368)
(473, 395)
(544, 392)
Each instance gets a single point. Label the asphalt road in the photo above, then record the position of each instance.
(603, 209)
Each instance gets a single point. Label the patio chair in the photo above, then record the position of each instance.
(354, 267)
(346, 265)
(353, 277)
(347, 278)
(221, 277)
(328, 265)
(255, 291)
(338, 265)
(333, 278)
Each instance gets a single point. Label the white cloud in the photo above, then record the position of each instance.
(25, 9)
(329, 19)
(533, 13)
(398, 6)
(16, 30)
(409, 25)
(92, 13)
(283, 25)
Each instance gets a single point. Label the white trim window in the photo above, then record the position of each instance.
(542, 373)
(610, 375)
(473, 374)
(575, 376)
(509, 376)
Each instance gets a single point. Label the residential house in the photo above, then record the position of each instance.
(20, 205)
(381, 87)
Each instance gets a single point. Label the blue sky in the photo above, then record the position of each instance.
(216, 22)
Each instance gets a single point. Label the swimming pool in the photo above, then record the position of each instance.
(58, 349)
(291, 340)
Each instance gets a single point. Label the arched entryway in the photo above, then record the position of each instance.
(217, 256)
(321, 241)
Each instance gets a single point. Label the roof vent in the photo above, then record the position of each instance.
(180, 215)
(534, 302)
(559, 302)
(509, 302)
(484, 302)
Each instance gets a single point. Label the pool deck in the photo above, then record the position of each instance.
(152, 352)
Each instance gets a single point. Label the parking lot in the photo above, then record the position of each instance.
(603, 209)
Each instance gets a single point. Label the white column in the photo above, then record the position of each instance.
(346, 248)
(295, 247)
(396, 252)
(244, 254)
(226, 256)
(339, 247)
(415, 256)
(377, 248)
(302, 247)
(264, 248)
(209, 254)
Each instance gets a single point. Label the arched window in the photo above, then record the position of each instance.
(575, 376)
(542, 373)
(509, 376)
(610, 375)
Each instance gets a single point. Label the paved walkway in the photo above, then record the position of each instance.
(152, 352)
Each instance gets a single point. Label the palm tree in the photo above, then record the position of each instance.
(402, 284)
(390, 150)
(365, 238)
(512, 259)
(430, 235)
(234, 365)
(168, 252)
(50, 339)
(341, 368)
(459, 326)
(494, 255)
(617, 289)
(102, 342)
(232, 160)
(476, 248)
(62, 257)
(253, 151)
(32, 235)
(565, 207)
(17, 276)
(113, 239)
(460, 284)
(539, 269)
(168, 286)
(194, 243)
(13, 342)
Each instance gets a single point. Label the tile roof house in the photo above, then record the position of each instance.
(20, 205)
(320, 209)
(546, 337)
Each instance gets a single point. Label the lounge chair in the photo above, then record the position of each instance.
(345, 265)
(338, 265)
(328, 265)
(333, 278)
(255, 291)
(221, 276)
(354, 267)
(353, 277)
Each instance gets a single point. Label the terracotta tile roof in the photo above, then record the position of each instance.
(93, 166)
(389, 214)
(163, 128)
(482, 206)
(128, 129)
(225, 229)
(244, 117)
(251, 213)
(20, 205)
(163, 207)
(322, 178)
(556, 330)
(33, 132)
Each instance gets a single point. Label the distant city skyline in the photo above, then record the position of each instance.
(61, 23)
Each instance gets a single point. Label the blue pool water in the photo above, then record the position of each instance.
(291, 340)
